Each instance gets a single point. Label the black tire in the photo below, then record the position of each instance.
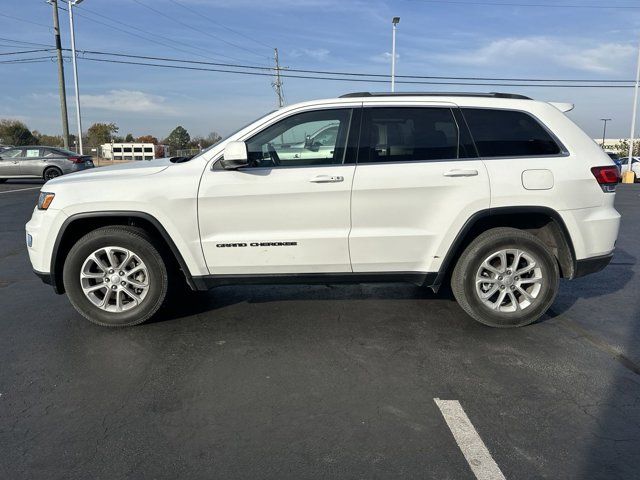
(50, 173)
(135, 240)
(463, 281)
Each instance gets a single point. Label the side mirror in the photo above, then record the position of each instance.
(235, 156)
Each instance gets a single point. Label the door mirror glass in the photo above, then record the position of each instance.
(235, 156)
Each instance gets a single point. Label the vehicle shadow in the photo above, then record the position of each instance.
(25, 181)
(186, 304)
(596, 285)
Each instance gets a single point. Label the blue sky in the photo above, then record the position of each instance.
(445, 38)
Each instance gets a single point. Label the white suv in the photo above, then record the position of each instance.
(498, 194)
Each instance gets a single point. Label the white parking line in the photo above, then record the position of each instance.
(473, 448)
(20, 190)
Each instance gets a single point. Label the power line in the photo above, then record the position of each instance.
(204, 32)
(25, 43)
(355, 74)
(335, 73)
(27, 51)
(544, 5)
(182, 67)
(25, 21)
(150, 36)
(200, 15)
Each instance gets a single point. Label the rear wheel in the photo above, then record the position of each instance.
(51, 173)
(115, 277)
(506, 278)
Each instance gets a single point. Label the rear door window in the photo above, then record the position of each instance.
(509, 133)
(407, 134)
(32, 153)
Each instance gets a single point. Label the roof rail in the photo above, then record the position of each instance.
(435, 94)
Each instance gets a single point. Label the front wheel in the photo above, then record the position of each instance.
(115, 277)
(506, 278)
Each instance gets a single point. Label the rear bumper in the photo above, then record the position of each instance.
(592, 265)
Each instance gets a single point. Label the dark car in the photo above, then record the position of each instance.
(40, 162)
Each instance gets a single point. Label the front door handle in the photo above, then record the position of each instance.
(327, 179)
(461, 173)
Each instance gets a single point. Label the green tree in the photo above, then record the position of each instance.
(14, 132)
(50, 140)
(622, 148)
(100, 133)
(129, 138)
(178, 139)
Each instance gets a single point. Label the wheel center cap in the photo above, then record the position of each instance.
(508, 280)
(115, 278)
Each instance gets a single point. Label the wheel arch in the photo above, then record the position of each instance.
(543, 222)
(80, 224)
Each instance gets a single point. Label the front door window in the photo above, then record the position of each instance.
(310, 138)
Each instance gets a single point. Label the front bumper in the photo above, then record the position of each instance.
(587, 266)
(41, 234)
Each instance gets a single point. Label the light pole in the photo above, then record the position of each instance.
(604, 130)
(395, 21)
(73, 3)
(628, 176)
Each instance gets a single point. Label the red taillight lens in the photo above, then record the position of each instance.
(607, 177)
(75, 159)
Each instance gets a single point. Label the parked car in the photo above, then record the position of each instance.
(40, 162)
(635, 166)
(499, 193)
(5, 147)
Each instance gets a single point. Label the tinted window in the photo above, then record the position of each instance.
(291, 141)
(409, 134)
(507, 133)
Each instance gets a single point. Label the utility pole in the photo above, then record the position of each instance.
(71, 4)
(395, 21)
(604, 130)
(61, 87)
(278, 82)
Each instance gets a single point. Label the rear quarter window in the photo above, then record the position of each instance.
(509, 133)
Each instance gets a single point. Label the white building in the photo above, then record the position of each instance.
(131, 151)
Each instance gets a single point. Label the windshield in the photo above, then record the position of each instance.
(231, 134)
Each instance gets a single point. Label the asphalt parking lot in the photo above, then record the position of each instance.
(317, 381)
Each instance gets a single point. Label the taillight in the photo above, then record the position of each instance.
(76, 159)
(607, 177)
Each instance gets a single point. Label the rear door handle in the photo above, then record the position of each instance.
(327, 179)
(461, 173)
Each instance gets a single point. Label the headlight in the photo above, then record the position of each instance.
(44, 200)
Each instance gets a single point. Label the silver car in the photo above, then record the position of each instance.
(40, 162)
